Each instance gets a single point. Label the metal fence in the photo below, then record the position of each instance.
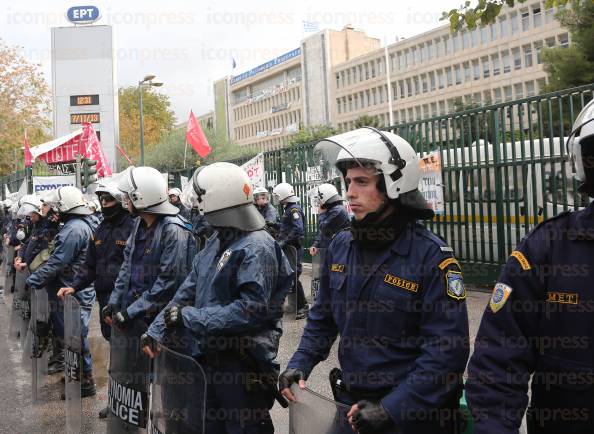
(504, 168)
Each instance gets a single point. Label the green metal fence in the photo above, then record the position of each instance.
(504, 168)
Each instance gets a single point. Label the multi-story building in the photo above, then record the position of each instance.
(335, 77)
(431, 71)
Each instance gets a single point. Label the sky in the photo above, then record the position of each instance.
(190, 44)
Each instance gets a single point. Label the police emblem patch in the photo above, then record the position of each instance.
(500, 295)
(455, 285)
(224, 258)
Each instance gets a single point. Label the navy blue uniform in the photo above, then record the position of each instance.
(401, 315)
(539, 321)
(42, 233)
(270, 215)
(329, 223)
(235, 290)
(65, 261)
(104, 258)
(156, 262)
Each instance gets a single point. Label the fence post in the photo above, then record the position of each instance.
(497, 168)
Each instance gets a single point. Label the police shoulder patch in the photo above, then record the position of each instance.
(455, 285)
(500, 295)
(224, 258)
(295, 213)
(521, 259)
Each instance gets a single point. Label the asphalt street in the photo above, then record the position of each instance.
(19, 415)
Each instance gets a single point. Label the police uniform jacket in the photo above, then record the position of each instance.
(269, 213)
(166, 261)
(292, 227)
(401, 316)
(234, 290)
(539, 322)
(67, 258)
(105, 253)
(329, 223)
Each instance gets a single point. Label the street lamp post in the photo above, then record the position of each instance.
(147, 81)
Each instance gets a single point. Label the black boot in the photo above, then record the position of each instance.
(55, 364)
(87, 386)
(103, 413)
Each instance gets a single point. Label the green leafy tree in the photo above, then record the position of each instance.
(25, 104)
(367, 121)
(158, 119)
(310, 134)
(484, 12)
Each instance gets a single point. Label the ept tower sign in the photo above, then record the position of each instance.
(84, 78)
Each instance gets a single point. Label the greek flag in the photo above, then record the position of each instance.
(311, 26)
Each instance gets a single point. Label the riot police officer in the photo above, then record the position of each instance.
(538, 325)
(175, 199)
(393, 292)
(291, 233)
(332, 217)
(65, 261)
(231, 303)
(265, 208)
(31, 208)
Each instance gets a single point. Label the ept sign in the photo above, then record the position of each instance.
(83, 14)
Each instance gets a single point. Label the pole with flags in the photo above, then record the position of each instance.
(28, 165)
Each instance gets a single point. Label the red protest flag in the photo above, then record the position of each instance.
(195, 137)
(28, 156)
(93, 150)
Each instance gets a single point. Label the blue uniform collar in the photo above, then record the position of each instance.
(400, 246)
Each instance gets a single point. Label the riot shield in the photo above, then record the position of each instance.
(315, 413)
(72, 364)
(317, 262)
(128, 380)
(291, 254)
(36, 344)
(178, 394)
(21, 307)
(9, 270)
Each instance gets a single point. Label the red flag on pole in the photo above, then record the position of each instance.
(28, 156)
(92, 149)
(195, 137)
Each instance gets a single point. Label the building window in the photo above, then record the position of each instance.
(476, 70)
(449, 46)
(536, 17)
(549, 15)
(402, 61)
(440, 48)
(537, 48)
(508, 93)
(417, 86)
(417, 55)
(456, 43)
(519, 90)
(360, 72)
(465, 40)
(401, 88)
(474, 37)
(515, 25)
(506, 62)
(409, 91)
(467, 72)
(458, 73)
(372, 69)
(527, 56)
(497, 96)
(563, 40)
(432, 81)
(440, 79)
(486, 67)
(348, 75)
(338, 81)
(449, 76)
(503, 27)
(495, 59)
(484, 35)
(530, 88)
(525, 20)
(517, 58)
(430, 50)
(493, 31)
(550, 42)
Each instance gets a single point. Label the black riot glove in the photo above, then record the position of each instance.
(290, 376)
(121, 319)
(173, 317)
(108, 311)
(41, 339)
(371, 417)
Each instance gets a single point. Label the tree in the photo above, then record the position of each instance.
(485, 12)
(158, 119)
(25, 104)
(310, 134)
(572, 66)
(367, 121)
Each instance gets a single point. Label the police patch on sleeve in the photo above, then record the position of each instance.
(295, 214)
(224, 258)
(500, 295)
(455, 285)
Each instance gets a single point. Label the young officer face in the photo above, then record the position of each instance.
(362, 192)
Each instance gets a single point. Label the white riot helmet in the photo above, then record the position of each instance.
(224, 194)
(174, 191)
(326, 194)
(393, 158)
(147, 190)
(260, 190)
(580, 146)
(108, 185)
(29, 204)
(70, 200)
(284, 192)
